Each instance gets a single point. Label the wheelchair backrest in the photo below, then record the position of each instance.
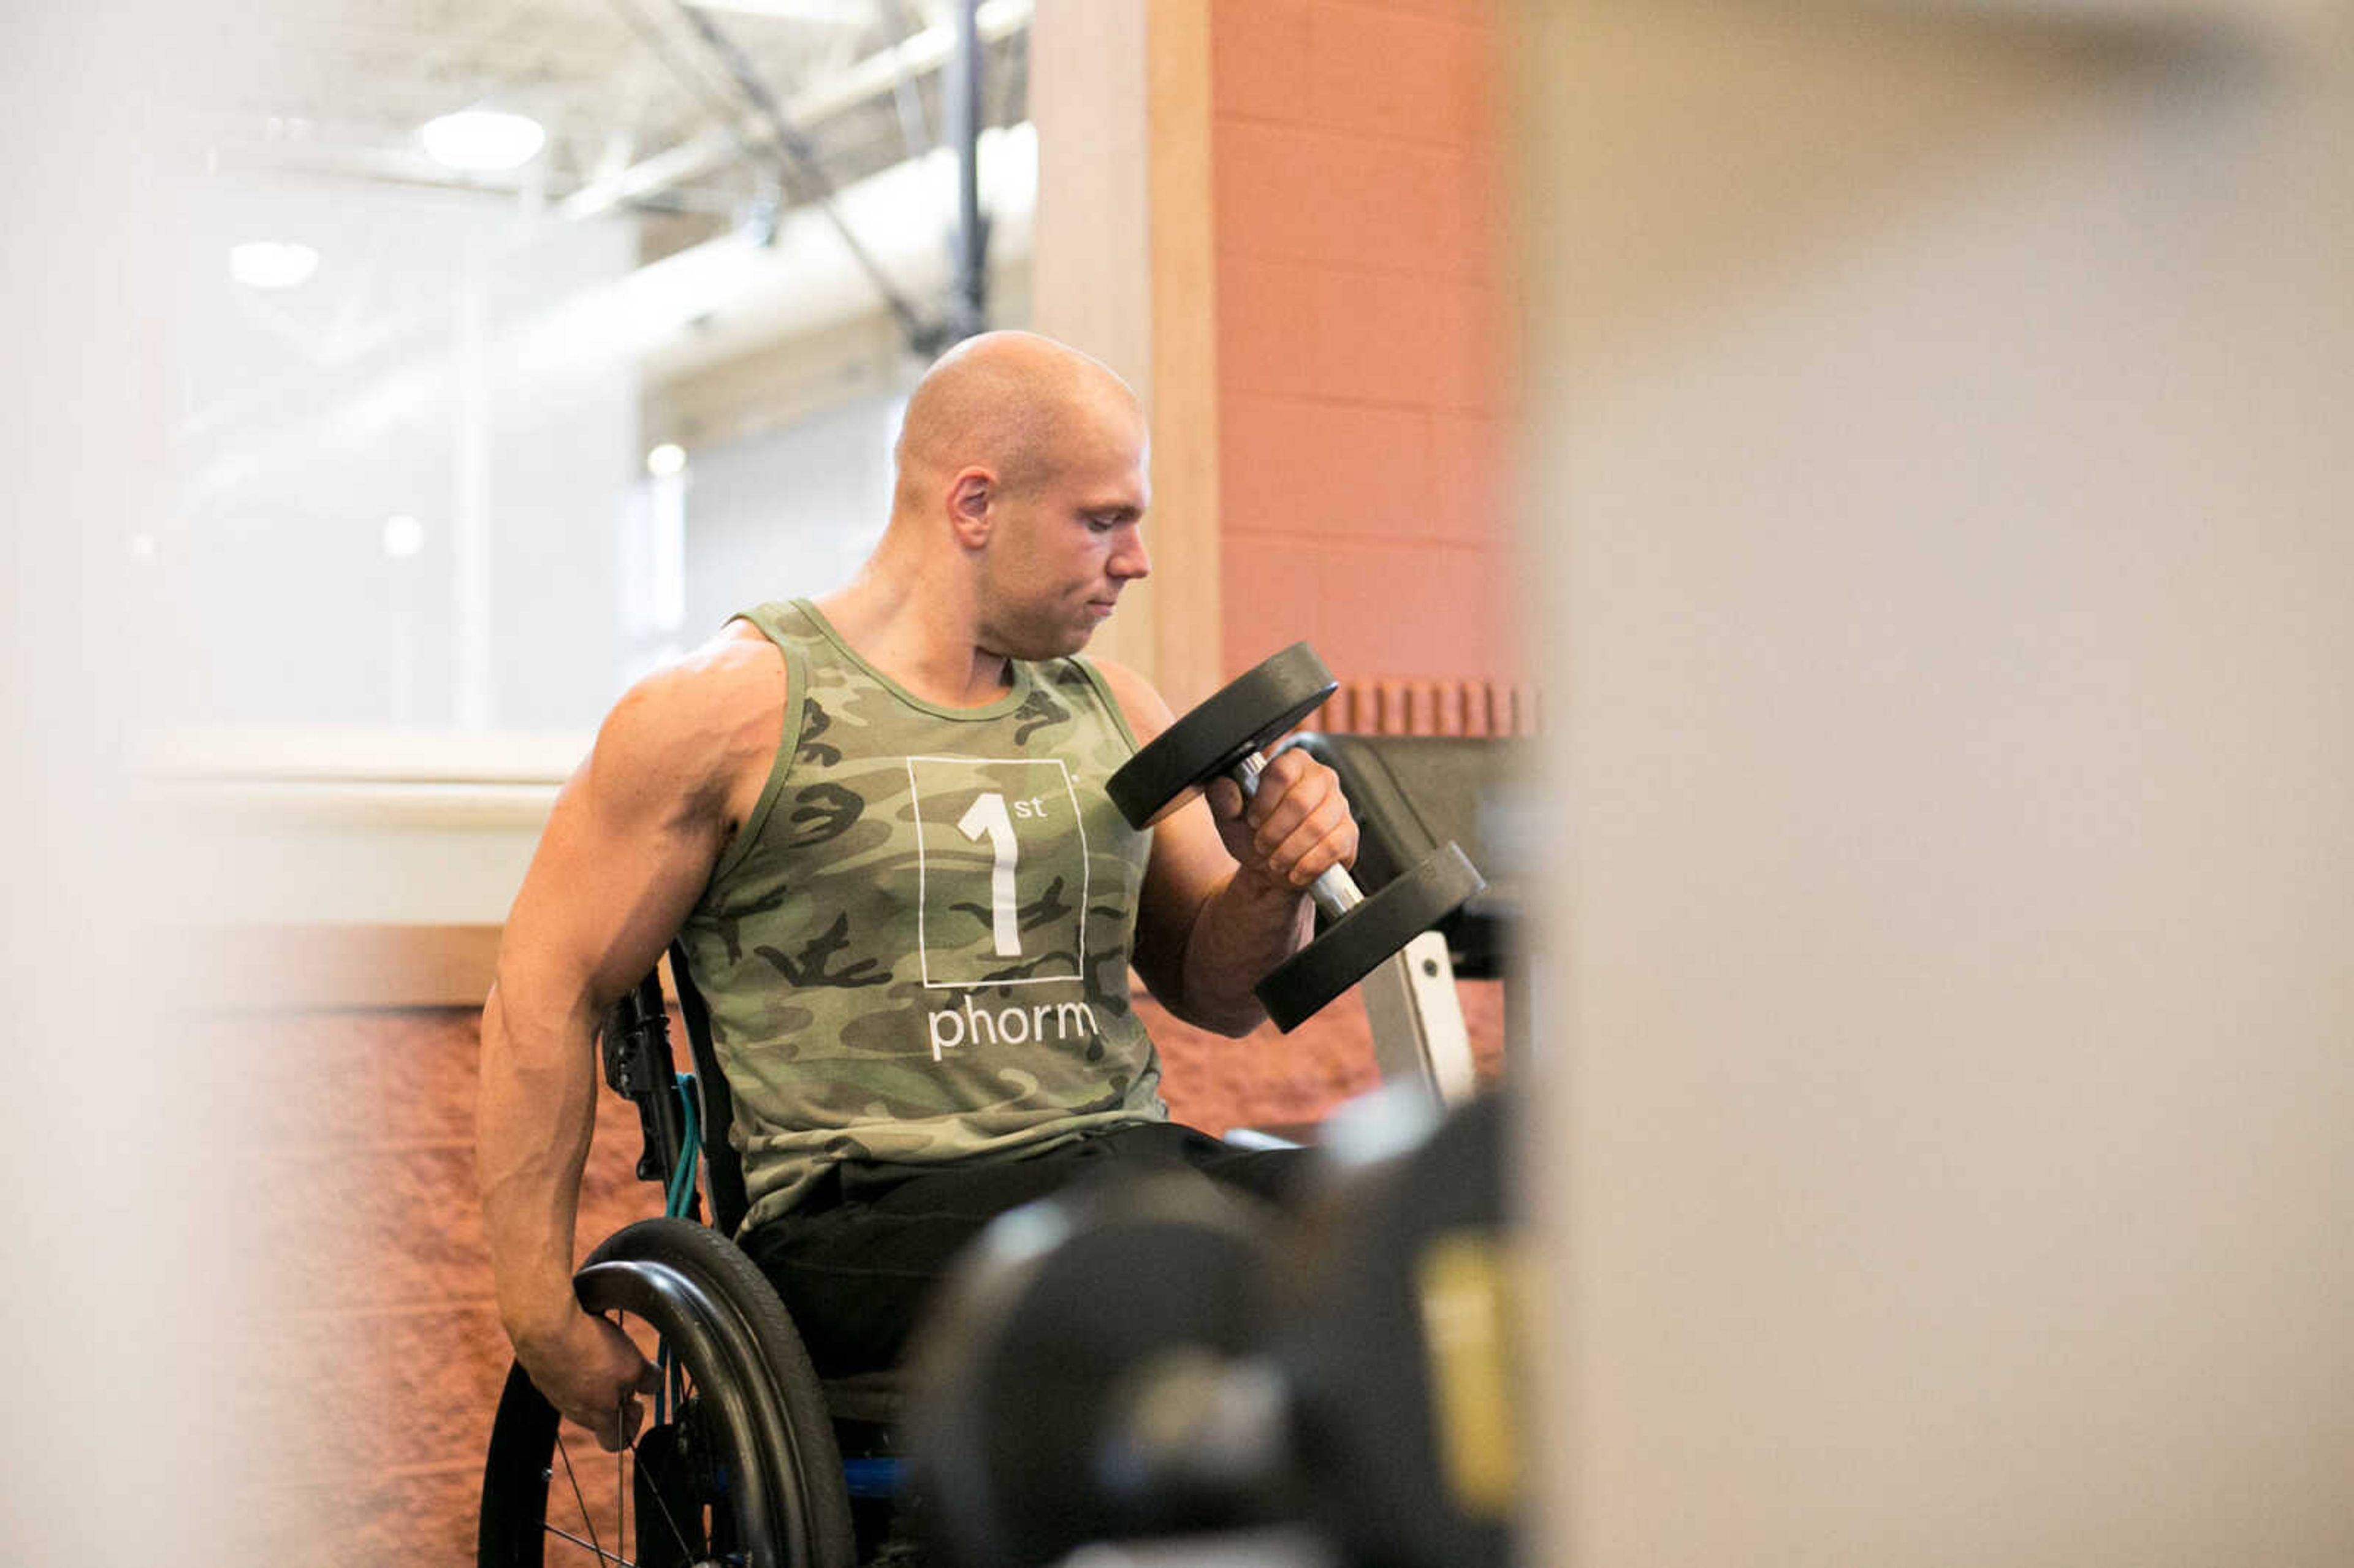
(723, 1172)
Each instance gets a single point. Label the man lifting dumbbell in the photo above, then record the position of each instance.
(878, 825)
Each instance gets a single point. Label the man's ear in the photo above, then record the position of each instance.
(972, 496)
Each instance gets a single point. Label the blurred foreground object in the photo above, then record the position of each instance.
(1156, 1367)
(1938, 418)
(116, 1153)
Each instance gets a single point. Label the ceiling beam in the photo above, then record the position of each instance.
(878, 73)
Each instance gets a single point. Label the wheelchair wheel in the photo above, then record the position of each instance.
(742, 1468)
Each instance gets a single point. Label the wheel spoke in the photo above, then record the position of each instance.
(601, 1557)
(586, 1521)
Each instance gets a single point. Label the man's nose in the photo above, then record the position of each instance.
(1129, 561)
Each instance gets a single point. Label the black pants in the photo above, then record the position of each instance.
(858, 1260)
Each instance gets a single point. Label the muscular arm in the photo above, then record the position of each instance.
(1224, 896)
(627, 851)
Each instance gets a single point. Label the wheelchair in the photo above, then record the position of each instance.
(750, 1457)
(743, 1461)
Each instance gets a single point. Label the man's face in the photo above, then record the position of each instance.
(1064, 549)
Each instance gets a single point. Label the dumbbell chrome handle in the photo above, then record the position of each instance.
(1335, 891)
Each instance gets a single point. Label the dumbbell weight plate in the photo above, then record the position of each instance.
(1407, 1437)
(1346, 951)
(1020, 1372)
(1239, 719)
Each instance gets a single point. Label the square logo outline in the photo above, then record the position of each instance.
(923, 889)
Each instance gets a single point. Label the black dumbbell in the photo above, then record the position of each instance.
(1158, 1357)
(1064, 1326)
(1223, 738)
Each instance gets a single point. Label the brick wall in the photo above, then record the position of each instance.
(1362, 379)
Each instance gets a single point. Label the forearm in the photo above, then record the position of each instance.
(536, 1110)
(1249, 925)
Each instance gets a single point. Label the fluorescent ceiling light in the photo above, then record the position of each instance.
(483, 140)
(666, 460)
(272, 264)
(403, 536)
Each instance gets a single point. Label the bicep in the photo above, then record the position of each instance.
(1189, 862)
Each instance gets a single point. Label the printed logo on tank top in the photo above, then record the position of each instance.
(1002, 878)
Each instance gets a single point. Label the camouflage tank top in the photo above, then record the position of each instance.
(915, 949)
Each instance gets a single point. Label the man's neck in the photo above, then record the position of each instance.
(921, 634)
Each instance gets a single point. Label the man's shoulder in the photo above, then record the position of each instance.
(736, 667)
(703, 716)
(1139, 705)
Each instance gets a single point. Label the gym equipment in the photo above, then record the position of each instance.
(1400, 1341)
(1224, 737)
(1410, 794)
(1149, 1362)
(1032, 1370)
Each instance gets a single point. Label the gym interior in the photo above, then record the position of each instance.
(1866, 480)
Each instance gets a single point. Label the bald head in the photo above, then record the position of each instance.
(1011, 402)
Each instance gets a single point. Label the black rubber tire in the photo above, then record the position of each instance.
(722, 1320)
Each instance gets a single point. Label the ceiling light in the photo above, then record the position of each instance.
(272, 264)
(483, 140)
(403, 536)
(666, 460)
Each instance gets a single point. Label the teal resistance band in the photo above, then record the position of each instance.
(682, 1180)
(676, 1199)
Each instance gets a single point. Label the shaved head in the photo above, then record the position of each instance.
(1011, 402)
(1023, 478)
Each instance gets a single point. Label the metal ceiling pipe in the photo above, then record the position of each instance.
(968, 308)
(877, 74)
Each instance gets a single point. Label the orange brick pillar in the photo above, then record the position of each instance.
(1356, 150)
(1280, 219)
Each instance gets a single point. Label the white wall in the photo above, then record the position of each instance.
(1939, 486)
(789, 513)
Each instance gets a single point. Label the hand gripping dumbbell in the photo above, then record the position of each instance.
(1223, 738)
